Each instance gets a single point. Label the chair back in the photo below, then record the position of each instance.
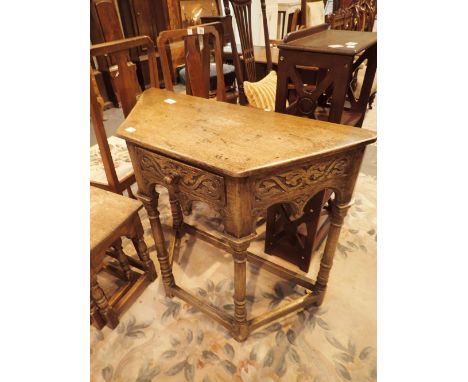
(197, 42)
(243, 14)
(97, 124)
(128, 92)
(343, 19)
(127, 87)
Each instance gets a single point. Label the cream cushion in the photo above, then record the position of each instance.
(120, 156)
(360, 81)
(262, 94)
(315, 13)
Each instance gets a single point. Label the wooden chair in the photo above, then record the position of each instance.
(229, 70)
(111, 217)
(242, 14)
(105, 27)
(197, 58)
(342, 19)
(107, 149)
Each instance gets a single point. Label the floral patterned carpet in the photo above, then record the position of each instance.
(161, 339)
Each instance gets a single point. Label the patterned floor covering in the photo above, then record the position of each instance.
(161, 339)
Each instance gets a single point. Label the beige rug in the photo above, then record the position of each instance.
(161, 339)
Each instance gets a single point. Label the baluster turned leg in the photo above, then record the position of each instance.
(176, 210)
(123, 261)
(150, 204)
(142, 250)
(107, 312)
(241, 329)
(338, 213)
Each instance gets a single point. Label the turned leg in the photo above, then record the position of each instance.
(338, 213)
(142, 250)
(97, 294)
(150, 204)
(176, 210)
(123, 261)
(241, 329)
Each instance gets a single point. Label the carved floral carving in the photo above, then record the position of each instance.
(191, 181)
(301, 178)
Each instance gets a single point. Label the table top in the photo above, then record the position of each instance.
(229, 139)
(334, 41)
(108, 211)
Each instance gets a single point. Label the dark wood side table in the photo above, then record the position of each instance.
(239, 161)
(327, 50)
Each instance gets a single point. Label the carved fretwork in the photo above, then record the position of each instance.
(195, 184)
(301, 178)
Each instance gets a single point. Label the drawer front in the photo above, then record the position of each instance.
(193, 182)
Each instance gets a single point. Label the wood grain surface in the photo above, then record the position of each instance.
(230, 139)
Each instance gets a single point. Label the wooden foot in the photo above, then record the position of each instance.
(150, 204)
(106, 311)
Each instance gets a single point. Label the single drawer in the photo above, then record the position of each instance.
(193, 182)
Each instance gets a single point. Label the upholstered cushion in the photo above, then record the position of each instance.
(360, 81)
(262, 94)
(315, 13)
(122, 162)
(228, 71)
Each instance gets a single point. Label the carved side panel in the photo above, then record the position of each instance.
(298, 184)
(193, 184)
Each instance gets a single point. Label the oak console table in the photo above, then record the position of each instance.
(239, 161)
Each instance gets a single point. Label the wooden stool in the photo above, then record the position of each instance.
(114, 216)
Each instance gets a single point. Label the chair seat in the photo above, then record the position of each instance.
(108, 212)
(228, 71)
(120, 156)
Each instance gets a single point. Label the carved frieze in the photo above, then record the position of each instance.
(301, 178)
(191, 181)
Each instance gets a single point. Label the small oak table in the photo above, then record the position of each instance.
(239, 161)
(339, 53)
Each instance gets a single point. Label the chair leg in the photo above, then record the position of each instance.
(122, 258)
(107, 312)
(130, 192)
(96, 318)
(142, 250)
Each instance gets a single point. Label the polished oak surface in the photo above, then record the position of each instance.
(320, 42)
(229, 139)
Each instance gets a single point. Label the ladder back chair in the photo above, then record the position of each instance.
(104, 173)
(197, 56)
